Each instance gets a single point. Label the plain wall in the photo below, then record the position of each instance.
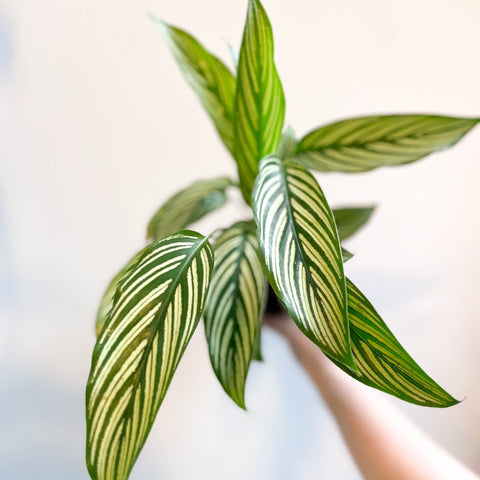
(98, 127)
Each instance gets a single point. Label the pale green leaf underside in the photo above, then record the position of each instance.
(260, 102)
(300, 245)
(382, 362)
(208, 76)
(188, 206)
(156, 309)
(350, 220)
(361, 144)
(234, 308)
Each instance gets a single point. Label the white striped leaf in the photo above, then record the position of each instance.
(260, 102)
(361, 144)
(106, 303)
(208, 76)
(234, 308)
(156, 309)
(382, 362)
(300, 245)
(350, 220)
(188, 206)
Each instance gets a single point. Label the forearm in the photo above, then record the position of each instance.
(384, 443)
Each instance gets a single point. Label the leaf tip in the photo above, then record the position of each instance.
(159, 23)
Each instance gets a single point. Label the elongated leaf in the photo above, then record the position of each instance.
(234, 307)
(260, 102)
(300, 245)
(188, 206)
(106, 303)
(156, 309)
(382, 362)
(207, 75)
(350, 220)
(361, 144)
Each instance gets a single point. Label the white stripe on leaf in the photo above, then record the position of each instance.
(207, 75)
(234, 308)
(260, 102)
(382, 362)
(155, 309)
(365, 143)
(188, 206)
(300, 245)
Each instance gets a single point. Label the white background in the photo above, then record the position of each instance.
(97, 128)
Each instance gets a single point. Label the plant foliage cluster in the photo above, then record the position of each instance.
(292, 242)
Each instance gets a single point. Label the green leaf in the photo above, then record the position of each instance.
(350, 220)
(257, 349)
(107, 299)
(188, 206)
(234, 307)
(346, 255)
(382, 362)
(288, 145)
(300, 245)
(361, 144)
(260, 102)
(156, 309)
(207, 75)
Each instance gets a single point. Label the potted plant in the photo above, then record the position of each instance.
(288, 254)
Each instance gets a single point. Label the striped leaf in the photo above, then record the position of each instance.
(260, 102)
(382, 362)
(350, 220)
(156, 309)
(188, 206)
(106, 303)
(234, 307)
(208, 76)
(361, 144)
(300, 245)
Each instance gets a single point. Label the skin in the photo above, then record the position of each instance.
(383, 442)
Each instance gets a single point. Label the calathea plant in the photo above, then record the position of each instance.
(292, 242)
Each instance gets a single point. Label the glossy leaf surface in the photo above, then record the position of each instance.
(156, 309)
(361, 144)
(300, 245)
(207, 75)
(260, 102)
(188, 206)
(234, 309)
(382, 362)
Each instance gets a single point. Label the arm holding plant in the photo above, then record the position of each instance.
(383, 442)
(292, 241)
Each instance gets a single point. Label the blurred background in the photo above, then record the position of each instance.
(98, 128)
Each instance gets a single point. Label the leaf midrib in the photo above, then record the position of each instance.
(156, 321)
(287, 194)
